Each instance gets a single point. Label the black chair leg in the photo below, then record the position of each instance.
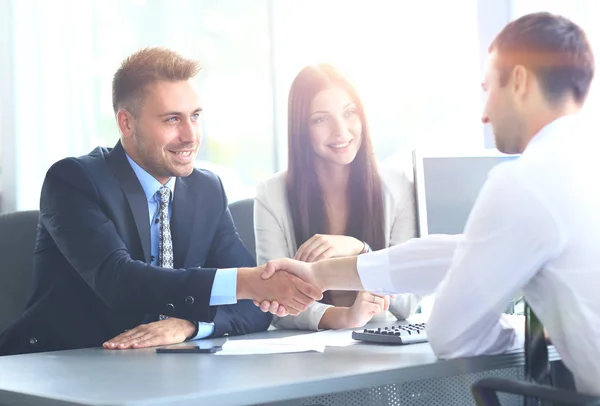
(561, 378)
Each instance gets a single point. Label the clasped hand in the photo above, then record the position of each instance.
(295, 292)
(366, 305)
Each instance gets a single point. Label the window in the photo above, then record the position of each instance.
(417, 71)
(66, 52)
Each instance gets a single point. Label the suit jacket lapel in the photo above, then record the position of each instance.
(134, 193)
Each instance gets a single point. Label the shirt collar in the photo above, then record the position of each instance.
(554, 126)
(149, 182)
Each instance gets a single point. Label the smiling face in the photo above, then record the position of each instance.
(335, 126)
(164, 135)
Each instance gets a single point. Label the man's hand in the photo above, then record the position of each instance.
(323, 246)
(163, 332)
(300, 269)
(335, 273)
(293, 293)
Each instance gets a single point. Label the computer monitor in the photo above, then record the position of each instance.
(447, 187)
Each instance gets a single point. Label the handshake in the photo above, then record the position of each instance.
(282, 286)
(287, 286)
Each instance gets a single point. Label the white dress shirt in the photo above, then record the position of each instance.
(535, 229)
(275, 238)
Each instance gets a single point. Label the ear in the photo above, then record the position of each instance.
(125, 121)
(520, 81)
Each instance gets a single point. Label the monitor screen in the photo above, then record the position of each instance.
(447, 187)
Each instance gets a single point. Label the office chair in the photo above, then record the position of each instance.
(485, 393)
(242, 212)
(17, 239)
(536, 389)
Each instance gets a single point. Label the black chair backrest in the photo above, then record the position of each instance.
(242, 212)
(17, 239)
(537, 367)
(544, 384)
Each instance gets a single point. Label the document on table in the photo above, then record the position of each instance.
(327, 338)
(266, 346)
(296, 343)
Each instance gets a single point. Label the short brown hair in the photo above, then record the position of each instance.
(147, 66)
(554, 48)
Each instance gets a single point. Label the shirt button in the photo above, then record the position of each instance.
(156, 220)
(33, 341)
(189, 300)
(170, 307)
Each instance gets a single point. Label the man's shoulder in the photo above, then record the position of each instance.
(203, 178)
(85, 163)
(86, 174)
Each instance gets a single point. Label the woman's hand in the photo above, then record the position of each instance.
(322, 246)
(360, 313)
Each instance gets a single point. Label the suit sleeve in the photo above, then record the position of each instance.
(228, 251)
(71, 210)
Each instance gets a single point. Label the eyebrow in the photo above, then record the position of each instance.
(179, 113)
(326, 112)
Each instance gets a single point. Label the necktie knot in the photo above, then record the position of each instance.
(165, 195)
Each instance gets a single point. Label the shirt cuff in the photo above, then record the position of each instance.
(223, 293)
(224, 287)
(374, 272)
(204, 330)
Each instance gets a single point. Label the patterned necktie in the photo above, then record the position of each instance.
(165, 244)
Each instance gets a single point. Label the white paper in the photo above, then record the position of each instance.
(327, 338)
(266, 346)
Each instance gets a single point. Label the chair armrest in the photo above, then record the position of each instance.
(485, 392)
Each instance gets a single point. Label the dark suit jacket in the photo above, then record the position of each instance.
(92, 277)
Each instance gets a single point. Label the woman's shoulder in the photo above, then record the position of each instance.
(273, 187)
(395, 180)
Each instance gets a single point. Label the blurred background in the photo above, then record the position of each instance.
(417, 65)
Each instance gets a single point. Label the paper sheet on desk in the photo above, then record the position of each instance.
(267, 346)
(327, 338)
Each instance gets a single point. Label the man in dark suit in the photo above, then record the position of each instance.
(130, 238)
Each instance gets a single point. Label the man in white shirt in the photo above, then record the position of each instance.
(535, 227)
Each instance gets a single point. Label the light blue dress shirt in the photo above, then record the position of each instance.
(225, 282)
